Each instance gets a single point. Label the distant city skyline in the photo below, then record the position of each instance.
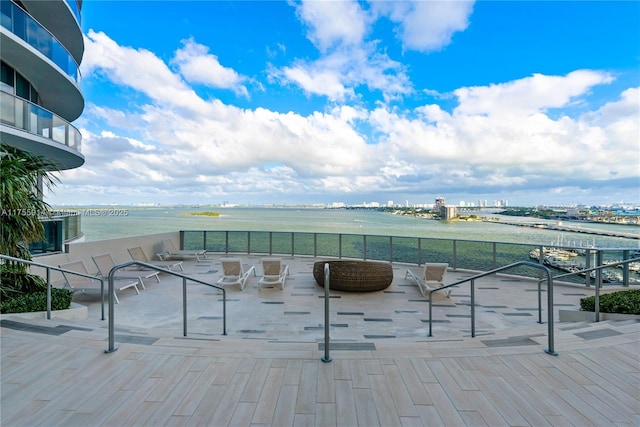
(311, 102)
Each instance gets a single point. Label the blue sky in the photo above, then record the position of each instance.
(344, 101)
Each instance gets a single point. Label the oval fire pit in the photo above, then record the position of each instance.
(354, 275)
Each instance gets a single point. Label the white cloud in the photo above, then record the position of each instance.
(426, 25)
(334, 23)
(499, 136)
(196, 65)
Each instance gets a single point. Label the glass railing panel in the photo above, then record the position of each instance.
(303, 244)
(238, 242)
(34, 119)
(406, 250)
(8, 110)
(281, 243)
(192, 239)
(259, 242)
(353, 246)
(510, 253)
(29, 30)
(328, 245)
(436, 250)
(215, 241)
(59, 130)
(615, 275)
(378, 248)
(474, 255)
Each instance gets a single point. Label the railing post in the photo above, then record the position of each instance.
(473, 308)
(340, 246)
(48, 293)
(364, 247)
(419, 251)
(625, 269)
(249, 242)
(184, 306)
(226, 242)
(587, 265)
(327, 357)
(455, 256)
(315, 245)
(430, 314)
(112, 347)
(550, 309)
(599, 256)
(390, 248)
(495, 259)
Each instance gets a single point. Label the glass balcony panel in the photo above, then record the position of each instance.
(59, 130)
(259, 241)
(328, 245)
(405, 249)
(303, 244)
(8, 110)
(238, 242)
(45, 122)
(31, 118)
(353, 246)
(193, 240)
(436, 250)
(281, 243)
(215, 241)
(28, 29)
(378, 248)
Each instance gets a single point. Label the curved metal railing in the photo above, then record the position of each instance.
(472, 279)
(112, 316)
(598, 279)
(48, 269)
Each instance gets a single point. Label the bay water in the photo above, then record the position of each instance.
(107, 223)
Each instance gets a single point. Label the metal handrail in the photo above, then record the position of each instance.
(550, 349)
(112, 346)
(62, 270)
(598, 269)
(327, 357)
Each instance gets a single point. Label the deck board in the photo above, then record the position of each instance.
(272, 373)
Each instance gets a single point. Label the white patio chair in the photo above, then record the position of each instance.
(233, 273)
(431, 277)
(274, 273)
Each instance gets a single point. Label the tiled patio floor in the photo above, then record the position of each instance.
(386, 370)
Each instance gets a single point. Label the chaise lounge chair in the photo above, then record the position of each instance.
(233, 273)
(171, 251)
(432, 277)
(105, 263)
(137, 254)
(83, 283)
(274, 273)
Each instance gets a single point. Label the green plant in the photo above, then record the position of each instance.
(22, 177)
(37, 301)
(622, 302)
(16, 281)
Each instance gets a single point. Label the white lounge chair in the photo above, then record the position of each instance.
(105, 263)
(430, 278)
(137, 254)
(83, 283)
(171, 251)
(233, 273)
(274, 273)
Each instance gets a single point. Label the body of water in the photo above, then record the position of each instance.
(101, 224)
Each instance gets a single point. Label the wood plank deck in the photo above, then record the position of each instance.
(62, 377)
